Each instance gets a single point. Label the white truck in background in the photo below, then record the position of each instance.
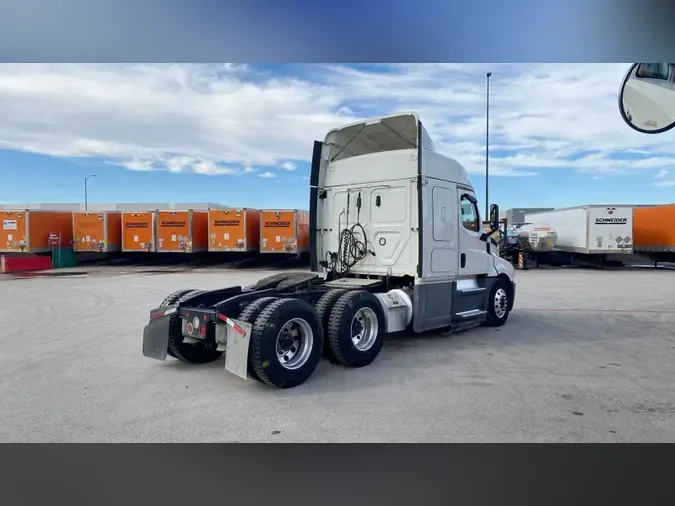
(596, 233)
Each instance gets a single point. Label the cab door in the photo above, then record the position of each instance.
(473, 255)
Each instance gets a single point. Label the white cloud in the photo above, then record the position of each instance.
(268, 175)
(138, 165)
(661, 176)
(217, 120)
(598, 178)
(179, 163)
(211, 169)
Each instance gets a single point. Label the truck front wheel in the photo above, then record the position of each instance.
(356, 329)
(498, 304)
(286, 343)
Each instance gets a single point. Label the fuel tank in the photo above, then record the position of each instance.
(537, 237)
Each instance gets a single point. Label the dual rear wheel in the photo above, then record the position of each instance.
(289, 336)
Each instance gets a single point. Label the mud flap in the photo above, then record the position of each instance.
(236, 335)
(156, 338)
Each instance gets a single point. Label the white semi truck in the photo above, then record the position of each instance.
(396, 244)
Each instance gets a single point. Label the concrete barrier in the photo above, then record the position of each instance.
(25, 264)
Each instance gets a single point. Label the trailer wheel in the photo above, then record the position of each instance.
(323, 308)
(189, 353)
(356, 329)
(286, 343)
(171, 299)
(249, 315)
(498, 304)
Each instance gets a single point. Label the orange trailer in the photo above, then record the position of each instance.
(28, 231)
(139, 231)
(182, 231)
(284, 231)
(234, 229)
(97, 231)
(652, 230)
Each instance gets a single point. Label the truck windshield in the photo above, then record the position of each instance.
(387, 134)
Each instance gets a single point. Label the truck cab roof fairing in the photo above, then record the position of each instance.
(375, 135)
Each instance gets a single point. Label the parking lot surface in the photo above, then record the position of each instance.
(587, 355)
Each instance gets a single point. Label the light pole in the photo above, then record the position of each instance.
(85, 190)
(487, 149)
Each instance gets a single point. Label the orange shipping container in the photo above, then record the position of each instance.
(182, 231)
(652, 228)
(139, 231)
(28, 231)
(97, 231)
(284, 231)
(234, 229)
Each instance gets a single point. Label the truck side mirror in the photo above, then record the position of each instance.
(494, 217)
(647, 97)
(494, 222)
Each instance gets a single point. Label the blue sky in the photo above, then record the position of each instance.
(241, 135)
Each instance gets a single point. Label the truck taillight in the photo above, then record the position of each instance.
(190, 329)
(202, 330)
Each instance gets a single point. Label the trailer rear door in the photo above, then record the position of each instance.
(88, 231)
(138, 231)
(13, 231)
(610, 229)
(227, 229)
(174, 231)
(279, 231)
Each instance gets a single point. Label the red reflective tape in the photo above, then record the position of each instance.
(238, 329)
(231, 323)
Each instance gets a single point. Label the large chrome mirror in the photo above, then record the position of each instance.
(647, 97)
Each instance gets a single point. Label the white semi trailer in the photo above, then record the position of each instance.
(396, 244)
(592, 232)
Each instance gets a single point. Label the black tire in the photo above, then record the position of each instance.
(340, 328)
(249, 315)
(495, 319)
(263, 351)
(171, 299)
(323, 308)
(189, 353)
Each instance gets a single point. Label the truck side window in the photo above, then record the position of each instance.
(653, 71)
(470, 219)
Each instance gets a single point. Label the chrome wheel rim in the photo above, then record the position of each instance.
(500, 303)
(295, 341)
(364, 329)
